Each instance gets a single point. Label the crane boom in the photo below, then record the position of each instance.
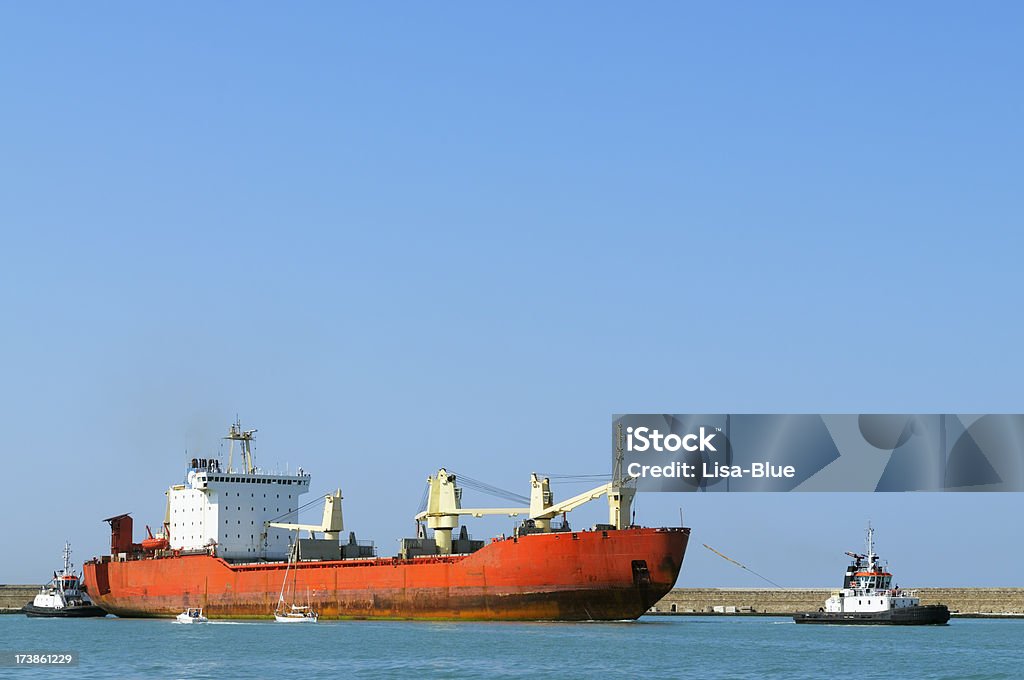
(475, 512)
(332, 523)
(572, 503)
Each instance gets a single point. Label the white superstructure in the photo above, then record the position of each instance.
(226, 513)
(868, 586)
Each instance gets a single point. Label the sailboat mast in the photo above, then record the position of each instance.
(284, 581)
(295, 572)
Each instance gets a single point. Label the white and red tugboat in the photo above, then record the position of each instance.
(63, 597)
(868, 597)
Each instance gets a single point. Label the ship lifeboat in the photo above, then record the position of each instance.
(158, 542)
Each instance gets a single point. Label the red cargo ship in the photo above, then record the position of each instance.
(544, 571)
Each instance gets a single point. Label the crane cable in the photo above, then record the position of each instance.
(742, 566)
(296, 511)
(490, 490)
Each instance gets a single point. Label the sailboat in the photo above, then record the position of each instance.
(293, 613)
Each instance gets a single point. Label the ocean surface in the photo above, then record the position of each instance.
(654, 646)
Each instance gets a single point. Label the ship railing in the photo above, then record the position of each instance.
(894, 592)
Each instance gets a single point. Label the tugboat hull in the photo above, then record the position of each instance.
(924, 615)
(63, 612)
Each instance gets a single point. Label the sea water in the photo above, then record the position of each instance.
(653, 647)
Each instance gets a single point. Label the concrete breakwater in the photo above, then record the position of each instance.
(13, 598)
(784, 601)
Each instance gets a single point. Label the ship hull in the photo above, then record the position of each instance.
(587, 575)
(924, 615)
(83, 611)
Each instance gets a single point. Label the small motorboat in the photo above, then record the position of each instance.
(192, 615)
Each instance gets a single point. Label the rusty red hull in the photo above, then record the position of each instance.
(587, 575)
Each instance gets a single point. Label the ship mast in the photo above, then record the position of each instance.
(872, 558)
(236, 433)
(67, 558)
(620, 496)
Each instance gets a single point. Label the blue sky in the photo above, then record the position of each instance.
(395, 238)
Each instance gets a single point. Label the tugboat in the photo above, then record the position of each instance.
(63, 596)
(868, 597)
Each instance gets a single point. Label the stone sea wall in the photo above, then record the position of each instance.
(965, 601)
(13, 598)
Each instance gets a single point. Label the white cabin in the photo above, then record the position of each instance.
(847, 600)
(224, 512)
